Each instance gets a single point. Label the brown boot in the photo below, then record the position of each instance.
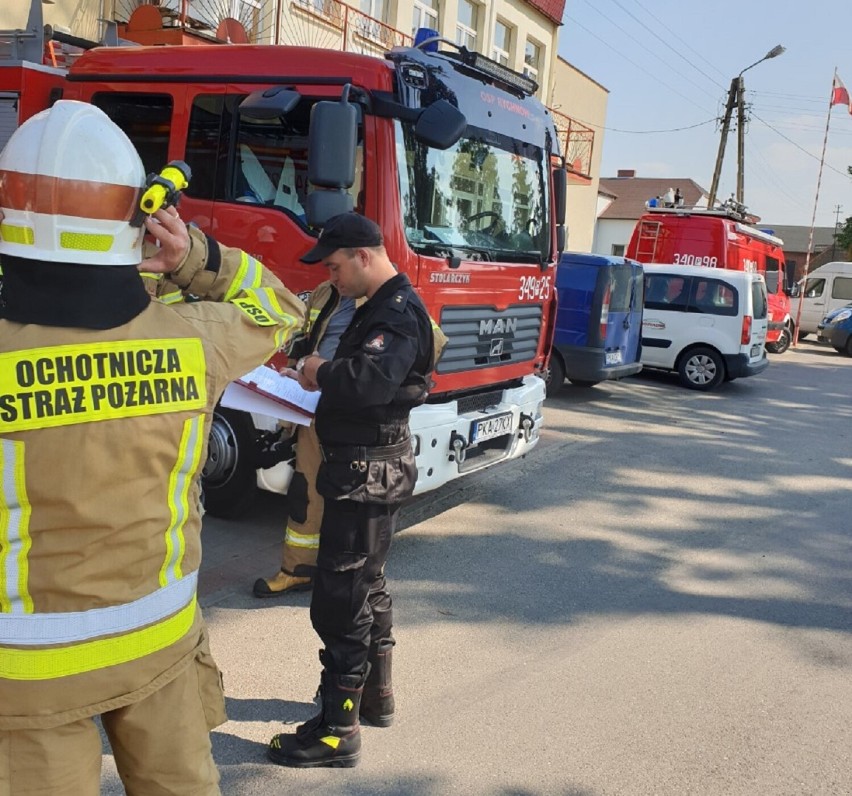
(282, 583)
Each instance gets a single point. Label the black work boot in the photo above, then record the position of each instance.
(377, 705)
(333, 738)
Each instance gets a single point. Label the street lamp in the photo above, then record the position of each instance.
(736, 96)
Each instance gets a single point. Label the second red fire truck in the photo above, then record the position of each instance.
(722, 237)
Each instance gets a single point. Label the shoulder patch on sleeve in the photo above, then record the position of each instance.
(253, 309)
(377, 343)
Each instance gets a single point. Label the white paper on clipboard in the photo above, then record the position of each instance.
(264, 391)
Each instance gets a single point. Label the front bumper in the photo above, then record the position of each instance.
(834, 336)
(442, 438)
(442, 435)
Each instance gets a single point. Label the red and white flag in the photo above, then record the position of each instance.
(840, 94)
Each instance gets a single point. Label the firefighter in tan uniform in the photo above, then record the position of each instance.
(327, 316)
(105, 402)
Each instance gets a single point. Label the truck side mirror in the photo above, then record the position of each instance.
(332, 143)
(269, 103)
(440, 125)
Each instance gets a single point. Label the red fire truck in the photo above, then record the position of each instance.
(450, 152)
(722, 237)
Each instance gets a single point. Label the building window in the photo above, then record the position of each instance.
(467, 24)
(617, 250)
(501, 51)
(374, 9)
(532, 59)
(425, 15)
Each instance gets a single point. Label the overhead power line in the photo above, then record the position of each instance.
(798, 146)
(666, 44)
(645, 132)
(630, 36)
(639, 66)
(688, 45)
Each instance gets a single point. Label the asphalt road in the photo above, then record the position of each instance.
(658, 600)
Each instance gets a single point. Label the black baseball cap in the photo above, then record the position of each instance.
(344, 231)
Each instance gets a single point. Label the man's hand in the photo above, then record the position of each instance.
(168, 229)
(308, 373)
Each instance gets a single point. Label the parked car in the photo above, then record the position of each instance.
(828, 288)
(598, 329)
(707, 324)
(836, 330)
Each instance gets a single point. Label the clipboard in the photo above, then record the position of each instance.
(264, 391)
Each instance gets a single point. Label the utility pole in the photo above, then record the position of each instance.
(736, 96)
(726, 126)
(837, 209)
(740, 137)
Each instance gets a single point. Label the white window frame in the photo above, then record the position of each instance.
(377, 9)
(424, 16)
(498, 53)
(529, 69)
(466, 35)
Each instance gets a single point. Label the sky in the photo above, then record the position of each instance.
(669, 65)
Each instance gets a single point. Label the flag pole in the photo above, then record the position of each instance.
(813, 217)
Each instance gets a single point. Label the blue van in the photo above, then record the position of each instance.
(598, 333)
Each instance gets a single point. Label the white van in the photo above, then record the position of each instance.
(708, 324)
(827, 288)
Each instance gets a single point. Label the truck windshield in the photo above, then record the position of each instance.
(485, 197)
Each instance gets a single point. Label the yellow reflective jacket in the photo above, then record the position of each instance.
(102, 437)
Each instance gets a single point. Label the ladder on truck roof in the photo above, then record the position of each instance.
(649, 237)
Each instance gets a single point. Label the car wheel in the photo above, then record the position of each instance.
(782, 343)
(229, 477)
(555, 376)
(701, 369)
(847, 349)
(582, 383)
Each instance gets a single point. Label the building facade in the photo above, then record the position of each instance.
(579, 108)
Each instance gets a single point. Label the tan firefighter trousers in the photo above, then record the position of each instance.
(161, 745)
(305, 507)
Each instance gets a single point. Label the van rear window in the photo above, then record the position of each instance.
(620, 288)
(758, 299)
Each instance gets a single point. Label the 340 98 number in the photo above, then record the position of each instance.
(534, 288)
(696, 259)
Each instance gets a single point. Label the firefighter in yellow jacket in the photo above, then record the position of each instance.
(105, 402)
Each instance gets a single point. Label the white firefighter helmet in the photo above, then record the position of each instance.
(70, 182)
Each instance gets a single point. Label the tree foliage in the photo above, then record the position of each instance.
(844, 235)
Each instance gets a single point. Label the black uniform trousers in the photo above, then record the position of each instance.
(351, 607)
